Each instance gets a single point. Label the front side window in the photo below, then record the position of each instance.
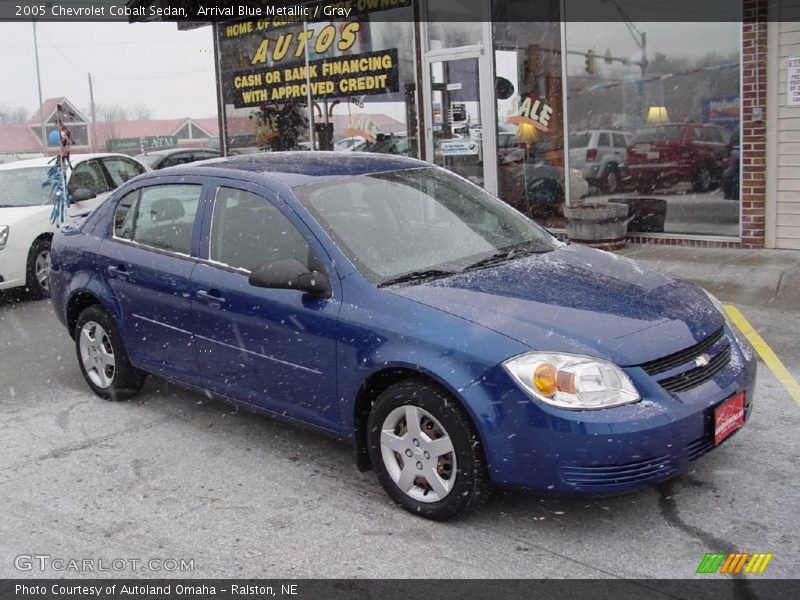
(88, 175)
(122, 169)
(161, 216)
(124, 216)
(394, 223)
(247, 230)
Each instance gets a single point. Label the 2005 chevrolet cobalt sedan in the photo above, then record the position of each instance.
(390, 303)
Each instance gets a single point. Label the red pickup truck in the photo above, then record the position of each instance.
(663, 155)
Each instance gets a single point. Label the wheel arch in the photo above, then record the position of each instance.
(77, 303)
(377, 383)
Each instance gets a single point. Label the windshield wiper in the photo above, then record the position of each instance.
(508, 253)
(417, 276)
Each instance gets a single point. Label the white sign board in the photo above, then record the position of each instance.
(460, 147)
(793, 82)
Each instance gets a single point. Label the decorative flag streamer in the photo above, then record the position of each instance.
(57, 175)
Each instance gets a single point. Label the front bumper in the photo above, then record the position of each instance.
(13, 264)
(537, 447)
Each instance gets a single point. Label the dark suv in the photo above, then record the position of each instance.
(662, 155)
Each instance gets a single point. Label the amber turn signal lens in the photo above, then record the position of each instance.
(544, 379)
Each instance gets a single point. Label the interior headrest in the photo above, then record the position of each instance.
(166, 209)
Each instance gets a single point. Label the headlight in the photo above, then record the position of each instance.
(3, 236)
(744, 345)
(572, 381)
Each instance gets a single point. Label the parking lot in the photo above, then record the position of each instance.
(174, 474)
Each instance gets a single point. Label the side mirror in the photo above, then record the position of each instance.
(81, 194)
(291, 274)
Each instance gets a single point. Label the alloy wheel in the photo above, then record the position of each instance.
(97, 354)
(41, 269)
(418, 454)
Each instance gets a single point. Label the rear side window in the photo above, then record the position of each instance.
(248, 230)
(603, 140)
(620, 141)
(122, 169)
(160, 216)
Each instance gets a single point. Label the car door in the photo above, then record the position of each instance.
(272, 348)
(147, 261)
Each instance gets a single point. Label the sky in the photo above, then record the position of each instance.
(153, 65)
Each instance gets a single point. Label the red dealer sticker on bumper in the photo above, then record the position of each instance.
(728, 417)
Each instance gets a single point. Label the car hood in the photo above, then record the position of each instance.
(578, 300)
(14, 214)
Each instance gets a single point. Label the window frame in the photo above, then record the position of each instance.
(199, 217)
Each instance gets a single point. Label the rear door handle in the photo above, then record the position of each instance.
(119, 271)
(211, 298)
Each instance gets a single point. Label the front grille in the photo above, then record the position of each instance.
(674, 360)
(602, 475)
(694, 377)
(699, 447)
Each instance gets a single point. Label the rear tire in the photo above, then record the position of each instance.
(102, 358)
(426, 452)
(37, 275)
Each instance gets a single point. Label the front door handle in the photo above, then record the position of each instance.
(211, 298)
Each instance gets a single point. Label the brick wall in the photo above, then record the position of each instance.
(753, 143)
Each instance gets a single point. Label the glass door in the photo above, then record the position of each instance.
(456, 127)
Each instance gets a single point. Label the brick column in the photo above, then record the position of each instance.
(753, 142)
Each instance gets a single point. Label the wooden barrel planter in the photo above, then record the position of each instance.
(598, 225)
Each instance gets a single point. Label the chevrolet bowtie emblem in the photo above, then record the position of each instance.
(702, 360)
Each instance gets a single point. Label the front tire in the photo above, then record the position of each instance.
(37, 276)
(611, 180)
(425, 451)
(103, 360)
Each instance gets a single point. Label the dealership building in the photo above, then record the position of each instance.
(689, 116)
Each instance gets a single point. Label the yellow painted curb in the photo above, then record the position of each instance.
(765, 352)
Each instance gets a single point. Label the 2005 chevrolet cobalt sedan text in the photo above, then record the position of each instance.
(389, 303)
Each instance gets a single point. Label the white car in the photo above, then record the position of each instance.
(25, 207)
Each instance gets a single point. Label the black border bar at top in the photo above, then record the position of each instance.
(203, 11)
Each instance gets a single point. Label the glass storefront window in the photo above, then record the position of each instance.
(530, 115)
(654, 118)
(354, 89)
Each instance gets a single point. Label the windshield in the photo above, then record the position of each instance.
(23, 186)
(416, 220)
(148, 159)
(661, 133)
(579, 140)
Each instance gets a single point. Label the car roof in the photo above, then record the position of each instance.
(169, 151)
(296, 168)
(46, 161)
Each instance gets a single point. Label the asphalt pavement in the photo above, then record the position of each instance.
(174, 474)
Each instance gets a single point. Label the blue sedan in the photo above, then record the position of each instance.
(389, 303)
